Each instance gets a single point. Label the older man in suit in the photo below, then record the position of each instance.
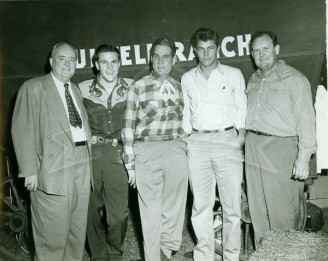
(52, 142)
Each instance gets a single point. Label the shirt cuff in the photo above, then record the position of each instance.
(304, 155)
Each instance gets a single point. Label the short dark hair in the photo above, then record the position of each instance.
(164, 42)
(204, 34)
(106, 48)
(271, 34)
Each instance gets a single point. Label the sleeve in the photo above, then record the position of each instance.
(186, 120)
(129, 126)
(25, 131)
(305, 118)
(240, 100)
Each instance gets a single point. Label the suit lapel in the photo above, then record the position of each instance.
(56, 105)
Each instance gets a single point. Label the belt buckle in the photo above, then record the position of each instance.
(100, 139)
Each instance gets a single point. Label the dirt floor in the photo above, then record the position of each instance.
(133, 241)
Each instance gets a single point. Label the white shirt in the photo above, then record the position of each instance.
(214, 103)
(78, 133)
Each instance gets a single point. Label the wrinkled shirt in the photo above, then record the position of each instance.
(281, 104)
(154, 108)
(214, 103)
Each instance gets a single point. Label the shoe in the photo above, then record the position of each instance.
(163, 256)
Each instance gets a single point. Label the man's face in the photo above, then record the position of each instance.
(265, 54)
(207, 53)
(162, 60)
(109, 66)
(63, 62)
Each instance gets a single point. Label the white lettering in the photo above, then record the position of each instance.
(148, 52)
(92, 53)
(179, 52)
(231, 46)
(243, 44)
(125, 54)
(225, 41)
(81, 61)
(137, 54)
(191, 55)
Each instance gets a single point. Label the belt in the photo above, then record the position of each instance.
(213, 131)
(260, 133)
(80, 143)
(158, 138)
(100, 139)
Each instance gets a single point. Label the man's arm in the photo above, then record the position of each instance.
(25, 134)
(128, 131)
(186, 120)
(241, 104)
(305, 126)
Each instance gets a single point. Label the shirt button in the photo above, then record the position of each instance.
(260, 91)
(108, 111)
(108, 132)
(48, 136)
(108, 121)
(258, 104)
(51, 156)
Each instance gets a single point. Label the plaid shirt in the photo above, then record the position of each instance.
(154, 108)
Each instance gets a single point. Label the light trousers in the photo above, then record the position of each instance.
(215, 159)
(59, 221)
(162, 182)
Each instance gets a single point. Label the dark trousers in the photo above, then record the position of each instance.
(274, 198)
(106, 229)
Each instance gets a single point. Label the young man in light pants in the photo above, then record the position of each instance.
(214, 115)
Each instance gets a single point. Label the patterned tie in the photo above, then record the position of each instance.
(74, 117)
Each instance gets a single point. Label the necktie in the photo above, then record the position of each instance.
(74, 117)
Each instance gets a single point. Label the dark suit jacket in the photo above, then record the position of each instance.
(41, 134)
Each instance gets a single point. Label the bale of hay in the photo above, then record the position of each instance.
(291, 245)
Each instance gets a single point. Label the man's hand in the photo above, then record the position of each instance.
(132, 178)
(301, 169)
(31, 182)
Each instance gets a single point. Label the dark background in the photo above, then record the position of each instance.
(29, 29)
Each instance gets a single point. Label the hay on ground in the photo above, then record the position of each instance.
(291, 245)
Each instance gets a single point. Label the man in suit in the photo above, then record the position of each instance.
(52, 142)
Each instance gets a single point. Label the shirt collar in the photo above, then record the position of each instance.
(58, 82)
(219, 69)
(279, 70)
(156, 77)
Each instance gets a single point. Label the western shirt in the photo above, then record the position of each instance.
(105, 108)
(281, 104)
(214, 103)
(154, 108)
